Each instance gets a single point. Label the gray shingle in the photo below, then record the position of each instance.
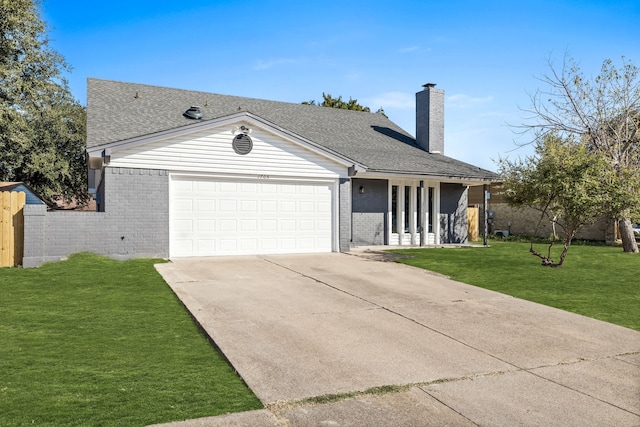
(117, 111)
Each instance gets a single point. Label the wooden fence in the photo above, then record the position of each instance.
(11, 228)
(473, 224)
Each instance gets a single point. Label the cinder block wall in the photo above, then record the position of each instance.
(524, 222)
(135, 222)
(369, 217)
(453, 213)
(344, 215)
(137, 209)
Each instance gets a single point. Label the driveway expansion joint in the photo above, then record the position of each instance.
(555, 368)
(517, 368)
(324, 399)
(396, 313)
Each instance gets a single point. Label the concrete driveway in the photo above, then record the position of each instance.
(387, 344)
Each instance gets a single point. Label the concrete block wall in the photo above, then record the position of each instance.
(524, 222)
(369, 217)
(137, 208)
(344, 215)
(368, 229)
(52, 235)
(453, 213)
(135, 222)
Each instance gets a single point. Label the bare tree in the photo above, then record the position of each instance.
(603, 113)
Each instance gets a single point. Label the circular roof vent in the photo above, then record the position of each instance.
(193, 113)
(242, 144)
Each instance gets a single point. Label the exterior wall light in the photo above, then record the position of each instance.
(361, 191)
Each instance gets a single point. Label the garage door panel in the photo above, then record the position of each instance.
(324, 242)
(217, 217)
(288, 244)
(286, 189)
(286, 225)
(307, 225)
(228, 225)
(268, 244)
(268, 188)
(323, 207)
(249, 206)
(250, 187)
(204, 186)
(204, 205)
(307, 207)
(248, 225)
(228, 245)
(183, 246)
(206, 225)
(183, 185)
(227, 187)
(204, 245)
(269, 225)
(228, 205)
(287, 206)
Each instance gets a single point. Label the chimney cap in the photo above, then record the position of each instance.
(428, 85)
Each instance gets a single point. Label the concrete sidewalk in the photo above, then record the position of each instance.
(342, 329)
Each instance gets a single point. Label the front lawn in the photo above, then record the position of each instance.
(96, 342)
(596, 281)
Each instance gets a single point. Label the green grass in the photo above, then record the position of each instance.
(96, 342)
(596, 281)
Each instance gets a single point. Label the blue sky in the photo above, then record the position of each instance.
(486, 55)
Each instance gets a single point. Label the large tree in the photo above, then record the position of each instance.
(564, 182)
(603, 114)
(352, 104)
(42, 127)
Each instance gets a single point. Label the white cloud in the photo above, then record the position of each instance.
(408, 49)
(463, 101)
(398, 100)
(265, 65)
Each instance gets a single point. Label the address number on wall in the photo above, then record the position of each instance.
(264, 177)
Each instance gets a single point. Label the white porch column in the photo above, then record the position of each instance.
(436, 213)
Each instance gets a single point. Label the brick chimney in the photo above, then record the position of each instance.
(430, 119)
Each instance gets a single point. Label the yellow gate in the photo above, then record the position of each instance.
(11, 228)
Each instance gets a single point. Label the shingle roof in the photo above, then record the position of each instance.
(118, 111)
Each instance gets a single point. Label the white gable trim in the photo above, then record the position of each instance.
(100, 154)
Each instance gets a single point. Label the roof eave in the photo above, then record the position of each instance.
(469, 180)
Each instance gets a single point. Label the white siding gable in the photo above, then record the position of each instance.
(210, 151)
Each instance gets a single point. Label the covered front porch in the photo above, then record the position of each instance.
(407, 212)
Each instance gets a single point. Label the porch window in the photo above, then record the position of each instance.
(431, 217)
(394, 209)
(407, 208)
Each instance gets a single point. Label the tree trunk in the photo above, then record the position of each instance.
(565, 248)
(629, 243)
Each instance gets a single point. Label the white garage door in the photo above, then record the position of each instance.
(220, 217)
